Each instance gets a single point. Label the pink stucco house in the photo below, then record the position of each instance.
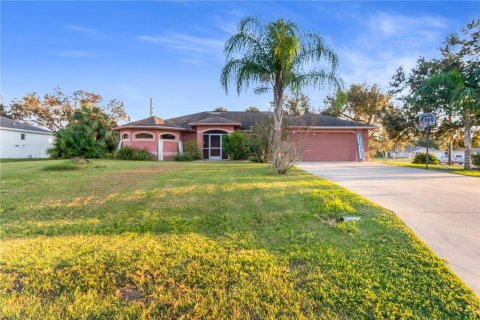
(324, 138)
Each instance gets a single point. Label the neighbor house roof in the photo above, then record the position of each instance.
(245, 119)
(6, 123)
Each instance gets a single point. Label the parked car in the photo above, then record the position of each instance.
(456, 158)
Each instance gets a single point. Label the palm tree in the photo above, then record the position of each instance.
(277, 57)
(463, 91)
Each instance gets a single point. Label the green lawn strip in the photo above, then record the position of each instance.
(438, 167)
(200, 240)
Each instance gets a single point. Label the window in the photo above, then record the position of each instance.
(22, 136)
(168, 136)
(125, 136)
(144, 136)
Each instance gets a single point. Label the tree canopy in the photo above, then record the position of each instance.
(277, 57)
(54, 110)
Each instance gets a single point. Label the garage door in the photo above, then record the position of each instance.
(329, 146)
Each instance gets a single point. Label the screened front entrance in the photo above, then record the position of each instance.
(212, 145)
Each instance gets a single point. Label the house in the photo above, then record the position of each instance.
(411, 152)
(21, 140)
(323, 138)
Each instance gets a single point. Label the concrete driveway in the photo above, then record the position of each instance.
(443, 209)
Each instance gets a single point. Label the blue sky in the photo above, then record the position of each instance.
(172, 51)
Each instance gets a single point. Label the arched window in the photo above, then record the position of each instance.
(125, 136)
(168, 136)
(144, 135)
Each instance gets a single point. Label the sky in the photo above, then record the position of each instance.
(173, 51)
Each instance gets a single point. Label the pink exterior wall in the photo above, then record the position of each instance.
(201, 129)
(170, 147)
(318, 144)
(327, 145)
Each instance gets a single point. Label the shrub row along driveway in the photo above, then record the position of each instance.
(443, 209)
(153, 240)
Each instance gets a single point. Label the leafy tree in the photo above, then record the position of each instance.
(3, 111)
(464, 97)
(297, 105)
(54, 110)
(89, 134)
(461, 53)
(370, 105)
(235, 145)
(277, 57)
(362, 103)
(252, 109)
(220, 109)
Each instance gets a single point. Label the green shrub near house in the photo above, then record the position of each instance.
(235, 145)
(190, 152)
(130, 153)
(422, 158)
(476, 159)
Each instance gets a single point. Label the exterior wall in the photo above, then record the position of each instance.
(328, 145)
(204, 128)
(170, 147)
(318, 144)
(35, 145)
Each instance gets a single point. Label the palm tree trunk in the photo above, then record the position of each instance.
(277, 124)
(467, 140)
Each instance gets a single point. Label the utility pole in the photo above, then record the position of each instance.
(428, 145)
(151, 108)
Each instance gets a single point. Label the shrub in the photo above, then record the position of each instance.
(184, 157)
(191, 148)
(421, 158)
(235, 145)
(88, 134)
(476, 159)
(130, 153)
(190, 152)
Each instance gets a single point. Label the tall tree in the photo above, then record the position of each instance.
(277, 57)
(54, 110)
(220, 109)
(460, 52)
(297, 105)
(252, 109)
(463, 92)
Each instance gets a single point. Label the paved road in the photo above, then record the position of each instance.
(443, 209)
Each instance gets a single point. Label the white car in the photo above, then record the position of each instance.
(456, 158)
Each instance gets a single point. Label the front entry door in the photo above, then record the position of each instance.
(215, 146)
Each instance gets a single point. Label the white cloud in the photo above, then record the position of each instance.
(194, 49)
(187, 43)
(389, 41)
(397, 25)
(84, 30)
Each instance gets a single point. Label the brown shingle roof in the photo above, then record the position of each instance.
(246, 119)
(215, 120)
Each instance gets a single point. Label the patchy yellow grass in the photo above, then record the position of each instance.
(148, 240)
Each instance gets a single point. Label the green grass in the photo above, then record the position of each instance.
(157, 240)
(456, 169)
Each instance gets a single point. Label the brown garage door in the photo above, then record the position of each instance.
(329, 146)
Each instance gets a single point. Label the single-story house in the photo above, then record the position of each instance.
(21, 140)
(323, 138)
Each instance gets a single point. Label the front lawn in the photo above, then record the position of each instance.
(130, 240)
(456, 169)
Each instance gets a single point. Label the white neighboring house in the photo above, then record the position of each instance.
(411, 152)
(21, 140)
